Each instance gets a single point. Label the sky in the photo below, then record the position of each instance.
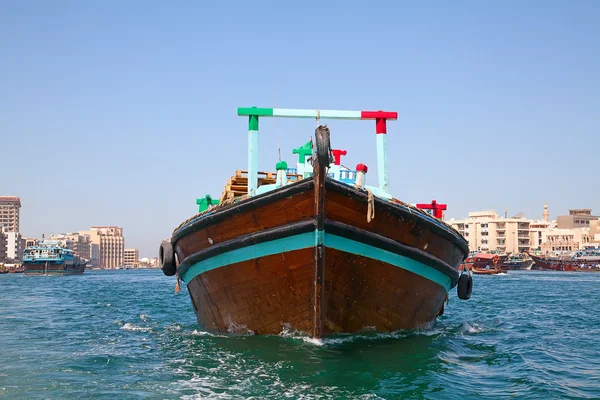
(123, 113)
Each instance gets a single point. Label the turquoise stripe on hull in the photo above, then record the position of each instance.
(306, 240)
(291, 243)
(365, 250)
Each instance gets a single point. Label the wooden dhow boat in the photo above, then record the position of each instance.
(519, 261)
(553, 263)
(314, 248)
(483, 264)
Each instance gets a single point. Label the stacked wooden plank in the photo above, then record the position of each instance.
(237, 185)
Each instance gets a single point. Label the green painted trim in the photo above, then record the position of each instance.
(310, 239)
(291, 243)
(253, 123)
(303, 151)
(319, 237)
(281, 166)
(205, 202)
(261, 112)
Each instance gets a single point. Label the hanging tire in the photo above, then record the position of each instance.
(322, 136)
(166, 257)
(465, 287)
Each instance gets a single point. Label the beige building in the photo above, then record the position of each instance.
(9, 213)
(131, 258)
(577, 218)
(29, 242)
(111, 245)
(536, 232)
(80, 244)
(565, 240)
(486, 231)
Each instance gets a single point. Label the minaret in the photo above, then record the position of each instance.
(546, 213)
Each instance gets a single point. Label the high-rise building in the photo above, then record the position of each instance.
(111, 245)
(9, 213)
(131, 258)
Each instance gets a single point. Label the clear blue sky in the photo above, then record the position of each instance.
(123, 112)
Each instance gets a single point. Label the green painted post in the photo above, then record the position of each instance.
(205, 202)
(303, 151)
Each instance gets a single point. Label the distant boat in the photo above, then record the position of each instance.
(517, 262)
(554, 263)
(483, 264)
(49, 258)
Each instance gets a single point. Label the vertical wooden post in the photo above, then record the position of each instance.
(252, 154)
(320, 162)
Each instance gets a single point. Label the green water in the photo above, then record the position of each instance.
(126, 335)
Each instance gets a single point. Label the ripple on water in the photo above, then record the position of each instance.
(110, 335)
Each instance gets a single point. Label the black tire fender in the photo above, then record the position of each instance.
(322, 136)
(166, 257)
(464, 288)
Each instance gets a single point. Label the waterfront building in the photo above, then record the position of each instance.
(111, 245)
(131, 258)
(80, 244)
(565, 240)
(30, 242)
(149, 262)
(577, 218)
(14, 246)
(9, 213)
(486, 231)
(95, 254)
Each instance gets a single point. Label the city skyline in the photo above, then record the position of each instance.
(448, 218)
(142, 101)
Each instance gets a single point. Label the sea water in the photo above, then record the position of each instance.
(126, 335)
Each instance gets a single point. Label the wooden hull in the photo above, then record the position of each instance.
(276, 293)
(553, 264)
(267, 263)
(477, 271)
(521, 265)
(53, 269)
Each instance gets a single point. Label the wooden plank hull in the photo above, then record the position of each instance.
(276, 293)
(254, 265)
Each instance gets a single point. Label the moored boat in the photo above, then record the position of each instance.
(49, 258)
(483, 264)
(517, 262)
(314, 248)
(553, 263)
